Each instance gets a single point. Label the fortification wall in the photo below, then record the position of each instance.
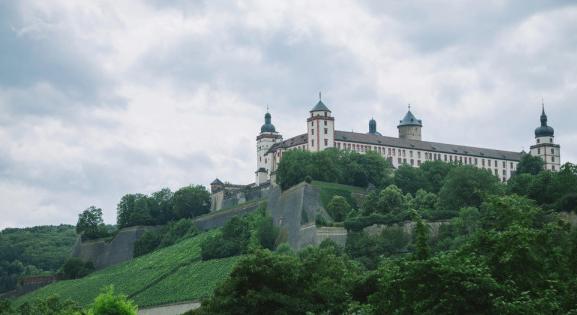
(219, 218)
(407, 227)
(104, 254)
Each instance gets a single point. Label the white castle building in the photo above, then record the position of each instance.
(407, 148)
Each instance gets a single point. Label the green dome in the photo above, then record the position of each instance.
(267, 127)
(544, 130)
(410, 120)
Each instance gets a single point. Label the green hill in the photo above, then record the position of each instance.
(31, 251)
(168, 275)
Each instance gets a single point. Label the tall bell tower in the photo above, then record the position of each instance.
(545, 146)
(320, 128)
(266, 138)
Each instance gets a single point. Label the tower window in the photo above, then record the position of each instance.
(538, 151)
(538, 141)
(326, 131)
(312, 143)
(326, 141)
(550, 140)
(313, 132)
(325, 122)
(552, 151)
(553, 167)
(553, 159)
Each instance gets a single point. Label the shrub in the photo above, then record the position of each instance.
(267, 234)
(338, 208)
(107, 303)
(75, 268)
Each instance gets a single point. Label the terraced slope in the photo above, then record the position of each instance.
(168, 275)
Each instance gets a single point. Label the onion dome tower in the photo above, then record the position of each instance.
(320, 127)
(266, 139)
(545, 146)
(410, 127)
(373, 128)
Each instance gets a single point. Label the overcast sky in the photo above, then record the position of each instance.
(103, 98)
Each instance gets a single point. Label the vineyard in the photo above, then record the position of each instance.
(171, 274)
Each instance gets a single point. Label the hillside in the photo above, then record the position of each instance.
(153, 279)
(35, 250)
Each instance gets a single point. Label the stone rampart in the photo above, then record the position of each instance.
(103, 253)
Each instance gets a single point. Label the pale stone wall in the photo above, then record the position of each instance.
(104, 254)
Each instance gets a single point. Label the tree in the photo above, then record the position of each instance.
(435, 173)
(107, 303)
(75, 268)
(520, 184)
(467, 186)
(90, 224)
(191, 201)
(421, 238)
(134, 209)
(267, 234)
(530, 164)
(338, 208)
(410, 179)
(391, 200)
(162, 211)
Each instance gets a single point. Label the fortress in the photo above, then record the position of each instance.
(405, 149)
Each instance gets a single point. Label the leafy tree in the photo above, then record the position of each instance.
(424, 201)
(338, 208)
(134, 209)
(107, 303)
(501, 212)
(267, 234)
(233, 240)
(520, 184)
(391, 200)
(435, 173)
(445, 284)
(530, 164)
(421, 238)
(52, 305)
(90, 224)
(191, 201)
(162, 210)
(467, 186)
(410, 179)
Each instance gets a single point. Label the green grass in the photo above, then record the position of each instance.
(328, 190)
(192, 282)
(152, 279)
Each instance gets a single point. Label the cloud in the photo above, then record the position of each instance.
(99, 99)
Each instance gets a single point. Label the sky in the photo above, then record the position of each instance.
(103, 98)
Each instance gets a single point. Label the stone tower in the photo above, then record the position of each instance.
(410, 127)
(320, 128)
(266, 138)
(545, 146)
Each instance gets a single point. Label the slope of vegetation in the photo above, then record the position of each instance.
(32, 251)
(149, 279)
(329, 190)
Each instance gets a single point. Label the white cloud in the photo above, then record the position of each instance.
(99, 99)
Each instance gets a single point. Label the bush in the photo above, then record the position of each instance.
(338, 208)
(267, 234)
(359, 223)
(167, 235)
(109, 304)
(75, 268)
(233, 240)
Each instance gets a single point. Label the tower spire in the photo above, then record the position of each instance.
(320, 97)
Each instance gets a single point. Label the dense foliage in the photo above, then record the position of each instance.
(107, 303)
(90, 224)
(75, 268)
(33, 251)
(241, 233)
(162, 206)
(172, 274)
(167, 235)
(344, 167)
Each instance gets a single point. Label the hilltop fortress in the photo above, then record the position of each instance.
(407, 148)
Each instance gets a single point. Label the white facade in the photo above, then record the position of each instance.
(407, 149)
